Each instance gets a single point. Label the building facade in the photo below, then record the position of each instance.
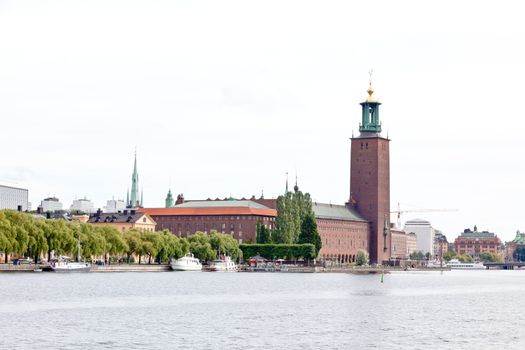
(115, 206)
(399, 244)
(83, 205)
(51, 204)
(14, 198)
(343, 232)
(473, 243)
(440, 244)
(124, 221)
(237, 218)
(424, 235)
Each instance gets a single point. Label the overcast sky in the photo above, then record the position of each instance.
(224, 97)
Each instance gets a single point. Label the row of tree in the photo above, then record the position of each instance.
(295, 222)
(25, 235)
(449, 255)
(279, 251)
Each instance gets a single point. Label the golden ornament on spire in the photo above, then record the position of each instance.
(370, 91)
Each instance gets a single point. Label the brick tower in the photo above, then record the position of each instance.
(370, 179)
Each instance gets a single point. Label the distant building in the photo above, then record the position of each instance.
(424, 233)
(51, 204)
(237, 218)
(114, 206)
(82, 205)
(14, 198)
(474, 243)
(440, 244)
(125, 221)
(399, 244)
(411, 243)
(510, 247)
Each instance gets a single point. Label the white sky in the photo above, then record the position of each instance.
(223, 97)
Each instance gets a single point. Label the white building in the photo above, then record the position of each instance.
(114, 206)
(51, 204)
(424, 233)
(14, 198)
(83, 205)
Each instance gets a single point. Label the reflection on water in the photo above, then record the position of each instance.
(453, 310)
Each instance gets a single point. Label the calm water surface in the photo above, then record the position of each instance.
(427, 310)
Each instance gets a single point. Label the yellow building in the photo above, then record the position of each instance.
(124, 221)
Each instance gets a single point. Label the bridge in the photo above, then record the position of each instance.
(504, 265)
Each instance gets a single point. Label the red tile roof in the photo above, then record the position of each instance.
(208, 211)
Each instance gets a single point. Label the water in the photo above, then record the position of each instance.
(451, 310)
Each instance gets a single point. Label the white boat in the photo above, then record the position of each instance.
(186, 263)
(67, 266)
(456, 264)
(224, 264)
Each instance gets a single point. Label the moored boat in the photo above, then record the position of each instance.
(222, 265)
(186, 263)
(67, 266)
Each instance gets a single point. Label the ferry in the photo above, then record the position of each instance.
(458, 265)
(186, 263)
(224, 264)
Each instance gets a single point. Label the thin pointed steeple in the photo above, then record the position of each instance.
(134, 199)
(286, 183)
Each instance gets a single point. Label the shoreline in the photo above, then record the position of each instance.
(9, 268)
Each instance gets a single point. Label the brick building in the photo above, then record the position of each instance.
(474, 243)
(235, 217)
(343, 232)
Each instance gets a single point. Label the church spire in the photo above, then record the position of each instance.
(134, 196)
(286, 183)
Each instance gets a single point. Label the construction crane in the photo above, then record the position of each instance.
(399, 212)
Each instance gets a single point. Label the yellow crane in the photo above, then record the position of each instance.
(399, 212)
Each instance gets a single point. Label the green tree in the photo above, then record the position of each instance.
(133, 240)
(225, 244)
(309, 233)
(263, 234)
(465, 258)
(417, 255)
(292, 209)
(361, 258)
(200, 247)
(449, 255)
(488, 257)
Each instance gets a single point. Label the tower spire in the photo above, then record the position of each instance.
(286, 183)
(134, 200)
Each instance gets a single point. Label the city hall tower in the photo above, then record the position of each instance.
(370, 178)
